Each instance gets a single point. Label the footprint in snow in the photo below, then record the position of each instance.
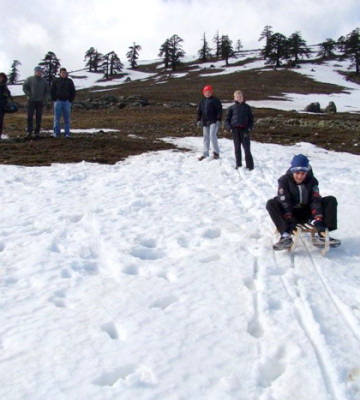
(130, 270)
(255, 328)
(145, 253)
(272, 368)
(212, 233)
(133, 375)
(58, 299)
(164, 302)
(110, 329)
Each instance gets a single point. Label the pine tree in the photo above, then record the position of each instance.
(217, 42)
(352, 49)
(176, 51)
(239, 45)
(164, 52)
(89, 57)
(205, 51)
(97, 61)
(50, 65)
(276, 49)
(266, 34)
(111, 64)
(226, 49)
(133, 54)
(327, 49)
(172, 52)
(14, 72)
(297, 47)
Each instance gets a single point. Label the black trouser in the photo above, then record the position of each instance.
(242, 137)
(37, 108)
(2, 114)
(303, 214)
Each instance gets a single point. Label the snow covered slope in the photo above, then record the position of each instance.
(155, 279)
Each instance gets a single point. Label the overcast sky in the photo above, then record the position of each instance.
(31, 28)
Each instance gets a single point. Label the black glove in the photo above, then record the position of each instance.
(319, 226)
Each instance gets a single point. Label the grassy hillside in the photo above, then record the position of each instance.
(172, 112)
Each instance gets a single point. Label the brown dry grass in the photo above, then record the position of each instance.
(140, 129)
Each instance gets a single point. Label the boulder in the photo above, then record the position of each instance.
(313, 107)
(330, 108)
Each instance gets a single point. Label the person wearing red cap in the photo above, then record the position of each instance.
(299, 201)
(209, 114)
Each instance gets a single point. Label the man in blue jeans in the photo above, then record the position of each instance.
(62, 94)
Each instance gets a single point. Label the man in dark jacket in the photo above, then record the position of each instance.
(299, 201)
(240, 121)
(62, 94)
(37, 90)
(209, 115)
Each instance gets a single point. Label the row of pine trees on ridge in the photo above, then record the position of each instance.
(278, 50)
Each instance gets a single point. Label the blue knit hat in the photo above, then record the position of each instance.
(299, 163)
(37, 68)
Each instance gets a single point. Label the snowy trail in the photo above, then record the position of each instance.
(155, 279)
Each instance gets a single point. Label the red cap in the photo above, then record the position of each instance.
(206, 88)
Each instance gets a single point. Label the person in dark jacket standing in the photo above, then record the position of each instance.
(209, 115)
(299, 201)
(240, 122)
(62, 94)
(37, 90)
(4, 95)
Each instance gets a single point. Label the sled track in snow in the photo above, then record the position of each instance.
(348, 320)
(311, 316)
(303, 313)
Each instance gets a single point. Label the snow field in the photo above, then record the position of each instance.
(155, 279)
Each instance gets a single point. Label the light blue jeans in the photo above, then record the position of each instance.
(210, 134)
(62, 108)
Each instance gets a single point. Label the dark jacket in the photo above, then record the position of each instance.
(36, 88)
(290, 195)
(63, 89)
(4, 95)
(239, 115)
(209, 110)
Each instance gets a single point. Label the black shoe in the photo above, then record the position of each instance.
(216, 156)
(249, 168)
(201, 158)
(284, 243)
(238, 166)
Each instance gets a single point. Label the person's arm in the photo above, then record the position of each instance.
(26, 88)
(251, 119)
(228, 126)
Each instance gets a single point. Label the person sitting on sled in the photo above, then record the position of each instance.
(299, 201)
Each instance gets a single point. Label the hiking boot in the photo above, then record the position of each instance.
(238, 166)
(284, 243)
(28, 136)
(201, 158)
(216, 156)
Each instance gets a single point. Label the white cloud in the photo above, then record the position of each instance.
(69, 29)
